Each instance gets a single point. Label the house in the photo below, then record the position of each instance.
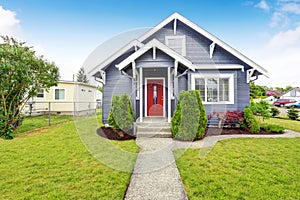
(176, 55)
(67, 98)
(292, 94)
(274, 93)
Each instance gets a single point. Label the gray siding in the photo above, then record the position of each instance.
(162, 60)
(197, 46)
(116, 83)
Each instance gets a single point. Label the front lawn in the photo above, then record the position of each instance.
(54, 164)
(287, 123)
(37, 122)
(243, 169)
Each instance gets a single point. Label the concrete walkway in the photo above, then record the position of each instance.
(155, 174)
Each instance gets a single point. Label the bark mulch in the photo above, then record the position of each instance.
(112, 134)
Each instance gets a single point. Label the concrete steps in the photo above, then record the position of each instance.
(153, 127)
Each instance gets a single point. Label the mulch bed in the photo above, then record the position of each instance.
(231, 131)
(112, 134)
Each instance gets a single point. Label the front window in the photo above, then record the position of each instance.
(213, 88)
(60, 94)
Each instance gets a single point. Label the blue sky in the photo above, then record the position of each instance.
(67, 31)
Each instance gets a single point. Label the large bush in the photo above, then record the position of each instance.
(189, 119)
(121, 115)
(251, 122)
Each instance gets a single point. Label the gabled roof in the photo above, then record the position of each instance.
(154, 43)
(133, 43)
(208, 35)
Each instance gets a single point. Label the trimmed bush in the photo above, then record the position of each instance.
(202, 118)
(252, 124)
(189, 119)
(260, 108)
(273, 128)
(121, 115)
(292, 114)
(274, 112)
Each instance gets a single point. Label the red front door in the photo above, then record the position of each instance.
(155, 97)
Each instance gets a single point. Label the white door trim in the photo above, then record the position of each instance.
(146, 88)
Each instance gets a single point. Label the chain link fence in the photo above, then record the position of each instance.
(50, 108)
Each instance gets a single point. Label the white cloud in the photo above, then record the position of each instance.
(291, 8)
(281, 57)
(263, 5)
(279, 19)
(283, 39)
(9, 24)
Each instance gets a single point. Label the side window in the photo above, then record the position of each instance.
(41, 94)
(60, 94)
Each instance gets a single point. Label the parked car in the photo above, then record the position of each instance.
(293, 105)
(283, 102)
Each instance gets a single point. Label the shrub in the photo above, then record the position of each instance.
(121, 115)
(261, 108)
(202, 118)
(274, 112)
(234, 117)
(189, 119)
(273, 128)
(252, 124)
(292, 114)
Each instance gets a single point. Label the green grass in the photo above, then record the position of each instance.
(54, 164)
(243, 169)
(287, 123)
(37, 122)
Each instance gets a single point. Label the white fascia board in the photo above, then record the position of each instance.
(219, 66)
(155, 43)
(120, 52)
(207, 35)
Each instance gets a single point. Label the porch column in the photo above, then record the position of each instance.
(133, 86)
(141, 94)
(175, 82)
(169, 94)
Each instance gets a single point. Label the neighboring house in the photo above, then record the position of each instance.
(270, 100)
(66, 98)
(292, 94)
(177, 55)
(273, 92)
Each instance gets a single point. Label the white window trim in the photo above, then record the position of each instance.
(206, 76)
(41, 98)
(59, 89)
(167, 37)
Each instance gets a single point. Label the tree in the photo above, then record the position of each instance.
(257, 91)
(22, 75)
(292, 114)
(100, 89)
(274, 112)
(81, 77)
